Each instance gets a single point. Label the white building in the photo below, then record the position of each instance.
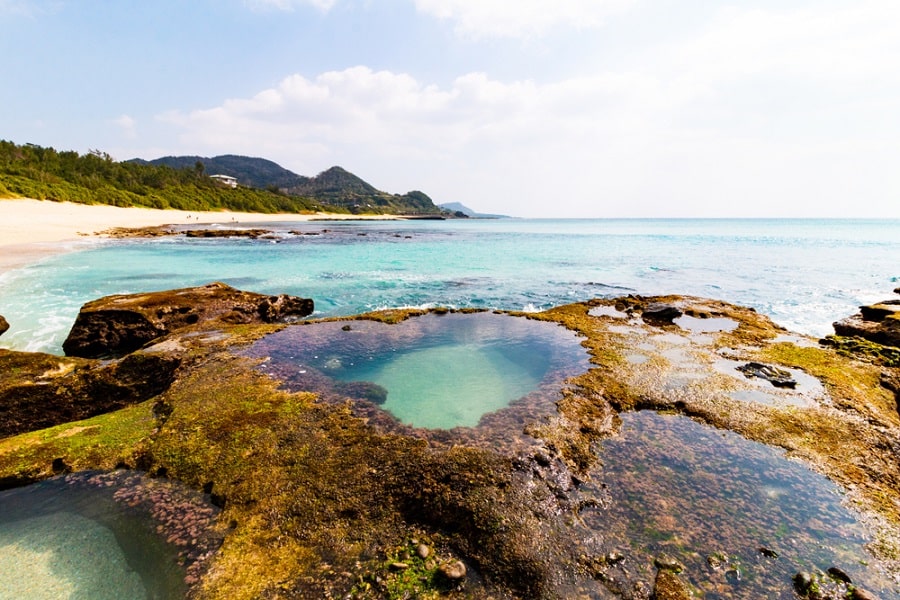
(226, 180)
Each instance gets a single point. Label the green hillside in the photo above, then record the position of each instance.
(335, 187)
(183, 182)
(32, 171)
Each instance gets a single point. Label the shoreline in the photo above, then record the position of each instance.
(34, 229)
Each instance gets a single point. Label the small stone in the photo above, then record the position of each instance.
(716, 561)
(3, 325)
(346, 328)
(768, 552)
(614, 557)
(399, 566)
(664, 562)
(453, 570)
(423, 551)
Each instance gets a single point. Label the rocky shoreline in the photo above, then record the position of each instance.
(321, 501)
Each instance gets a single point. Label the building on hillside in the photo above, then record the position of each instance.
(226, 180)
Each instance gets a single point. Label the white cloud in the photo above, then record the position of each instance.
(523, 18)
(290, 5)
(763, 113)
(127, 125)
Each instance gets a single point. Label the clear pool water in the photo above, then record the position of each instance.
(431, 371)
(102, 536)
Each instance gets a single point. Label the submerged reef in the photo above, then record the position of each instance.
(568, 492)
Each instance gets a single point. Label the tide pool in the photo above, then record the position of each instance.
(805, 274)
(430, 371)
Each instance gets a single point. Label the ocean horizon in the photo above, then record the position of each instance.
(803, 273)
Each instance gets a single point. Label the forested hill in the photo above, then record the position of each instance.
(31, 171)
(336, 186)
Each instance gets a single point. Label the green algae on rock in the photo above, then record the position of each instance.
(322, 500)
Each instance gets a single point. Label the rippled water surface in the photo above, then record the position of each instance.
(804, 273)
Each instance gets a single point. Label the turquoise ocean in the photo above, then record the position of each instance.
(804, 274)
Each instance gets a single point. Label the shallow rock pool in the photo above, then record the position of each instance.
(98, 536)
(432, 371)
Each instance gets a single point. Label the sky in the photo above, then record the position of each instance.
(533, 108)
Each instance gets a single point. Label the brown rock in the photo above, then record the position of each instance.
(41, 390)
(453, 570)
(218, 233)
(659, 311)
(669, 586)
(117, 325)
(861, 594)
(885, 332)
(3, 325)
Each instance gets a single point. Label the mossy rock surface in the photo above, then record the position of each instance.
(318, 502)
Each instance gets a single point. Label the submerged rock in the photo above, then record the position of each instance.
(774, 375)
(119, 324)
(3, 325)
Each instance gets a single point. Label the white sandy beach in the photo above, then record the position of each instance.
(32, 229)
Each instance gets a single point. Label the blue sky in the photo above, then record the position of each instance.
(574, 108)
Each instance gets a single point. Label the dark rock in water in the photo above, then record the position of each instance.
(768, 552)
(879, 323)
(219, 233)
(41, 390)
(116, 325)
(774, 375)
(3, 325)
(838, 574)
(669, 586)
(658, 311)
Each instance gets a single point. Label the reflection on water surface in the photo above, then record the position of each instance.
(431, 371)
(713, 500)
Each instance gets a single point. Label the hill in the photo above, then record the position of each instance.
(32, 171)
(455, 207)
(335, 186)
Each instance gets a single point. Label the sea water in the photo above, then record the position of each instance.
(805, 274)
